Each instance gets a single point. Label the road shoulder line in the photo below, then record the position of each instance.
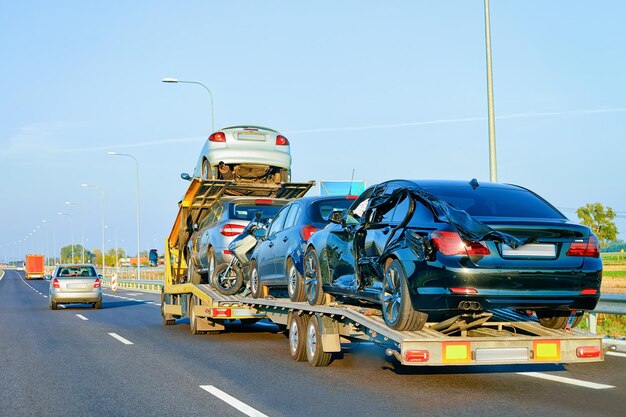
(232, 401)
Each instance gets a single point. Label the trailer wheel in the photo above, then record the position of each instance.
(193, 324)
(228, 278)
(297, 337)
(257, 289)
(295, 283)
(314, 348)
(554, 319)
(397, 309)
(313, 278)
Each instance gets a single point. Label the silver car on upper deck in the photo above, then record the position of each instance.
(245, 153)
(75, 283)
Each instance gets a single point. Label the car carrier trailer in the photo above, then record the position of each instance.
(315, 333)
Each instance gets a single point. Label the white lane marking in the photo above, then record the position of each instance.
(623, 355)
(45, 296)
(80, 316)
(1, 274)
(232, 401)
(564, 380)
(121, 339)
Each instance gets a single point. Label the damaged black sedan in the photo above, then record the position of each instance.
(451, 247)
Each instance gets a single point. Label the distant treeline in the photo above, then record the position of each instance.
(615, 246)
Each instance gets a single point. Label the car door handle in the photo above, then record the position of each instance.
(385, 230)
(285, 239)
(271, 245)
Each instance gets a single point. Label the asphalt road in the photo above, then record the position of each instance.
(66, 362)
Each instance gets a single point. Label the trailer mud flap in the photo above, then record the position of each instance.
(330, 334)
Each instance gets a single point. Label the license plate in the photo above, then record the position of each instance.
(76, 286)
(534, 250)
(251, 136)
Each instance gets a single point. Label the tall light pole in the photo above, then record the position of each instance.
(101, 217)
(82, 226)
(53, 226)
(138, 217)
(493, 173)
(171, 80)
(71, 232)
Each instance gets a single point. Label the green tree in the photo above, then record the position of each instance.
(600, 221)
(66, 254)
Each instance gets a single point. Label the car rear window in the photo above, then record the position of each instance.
(496, 202)
(319, 211)
(246, 210)
(77, 272)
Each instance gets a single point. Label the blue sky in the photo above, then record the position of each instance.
(389, 89)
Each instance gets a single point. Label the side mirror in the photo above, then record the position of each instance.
(259, 232)
(336, 216)
(100, 276)
(185, 176)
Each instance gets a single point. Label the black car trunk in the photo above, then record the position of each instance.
(549, 241)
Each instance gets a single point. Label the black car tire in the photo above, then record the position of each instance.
(295, 283)
(297, 337)
(314, 346)
(313, 278)
(397, 309)
(231, 284)
(53, 305)
(257, 290)
(193, 277)
(555, 319)
(98, 305)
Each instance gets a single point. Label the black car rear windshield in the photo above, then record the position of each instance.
(320, 211)
(246, 209)
(77, 272)
(496, 202)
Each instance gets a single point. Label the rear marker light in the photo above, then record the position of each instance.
(463, 291)
(281, 141)
(217, 137)
(307, 231)
(588, 352)
(55, 283)
(221, 312)
(416, 356)
(589, 291)
(230, 230)
(450, 243)
(352, 197)
(97, 284)
(227, 252)
(261, 201)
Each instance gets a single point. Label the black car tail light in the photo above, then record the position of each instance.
(589, 291)
(217, 137)
(450, 243)
(590, 248)
(281, 140)
(307, 231)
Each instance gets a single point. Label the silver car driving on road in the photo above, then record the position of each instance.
(75, 283)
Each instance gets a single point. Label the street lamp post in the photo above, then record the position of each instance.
(101, 218)
(82, 226)
(493, 173)
(171, 80)
(71, 231)
(138, 211)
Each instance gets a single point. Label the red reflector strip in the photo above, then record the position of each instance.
(221, 312)
(352, 197)
(463, 291)
(588, 352)
(263, 201)
(227, 252)
(416, 356)
(589, 291)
